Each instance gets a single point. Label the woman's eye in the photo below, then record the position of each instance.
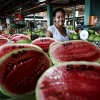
(61, 17)
(58, 17)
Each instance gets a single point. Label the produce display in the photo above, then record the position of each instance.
(35, 67)
(34, 34)
(92, 36)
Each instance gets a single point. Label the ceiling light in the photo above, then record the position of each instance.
(42, 0)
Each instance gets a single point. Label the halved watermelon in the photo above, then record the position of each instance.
(11, 47)
(6, 35)
(44, 42)
(70, 81)
(20, 70)
(76, 50)
(14, 35)
(20, 37)
(2, 36)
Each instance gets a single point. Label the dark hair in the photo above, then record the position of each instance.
(57, 10)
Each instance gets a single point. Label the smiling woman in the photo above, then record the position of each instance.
(58, 31)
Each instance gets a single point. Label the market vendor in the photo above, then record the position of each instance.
(58, 31)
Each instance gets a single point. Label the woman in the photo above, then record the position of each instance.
(57, 31)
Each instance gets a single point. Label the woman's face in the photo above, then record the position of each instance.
(59, 18)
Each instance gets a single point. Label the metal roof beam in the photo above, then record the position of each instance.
(5, 3)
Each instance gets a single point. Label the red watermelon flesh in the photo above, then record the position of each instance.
(17, 38)
(44, 43)
(3, 41)
(70, 81)
(20, 70)
(11, 47)
(6, 35)
(74, 51)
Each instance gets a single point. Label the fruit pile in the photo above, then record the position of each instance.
(34, 33)
(44, 69)
(93, 36)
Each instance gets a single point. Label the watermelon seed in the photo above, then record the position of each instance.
(21, 47)
(13, 47)
(83, 67)
(67, 44)
(70, 67)
(9, 68)
(18, 54)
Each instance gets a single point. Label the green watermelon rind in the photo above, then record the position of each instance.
(27, 97)
(14, 95)
(38, 97)
(24, 41)
(54, 61)
(5, 57)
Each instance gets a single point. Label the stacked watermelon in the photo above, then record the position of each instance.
(70, 81)
(75, 74)
(26, 69)
(21, 66)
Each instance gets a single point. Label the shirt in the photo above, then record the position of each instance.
(57, 35)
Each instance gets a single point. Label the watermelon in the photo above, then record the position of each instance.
(20, 70)
(3, 41)
(2, 36)
(14, 35)
(6, 35)
(70, 81)
(11, 47)
(76, 50)
(17, 38)
(44, 42)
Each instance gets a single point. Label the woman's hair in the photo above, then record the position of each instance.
(57, 10)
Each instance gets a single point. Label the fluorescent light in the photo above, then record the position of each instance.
(42, 0)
